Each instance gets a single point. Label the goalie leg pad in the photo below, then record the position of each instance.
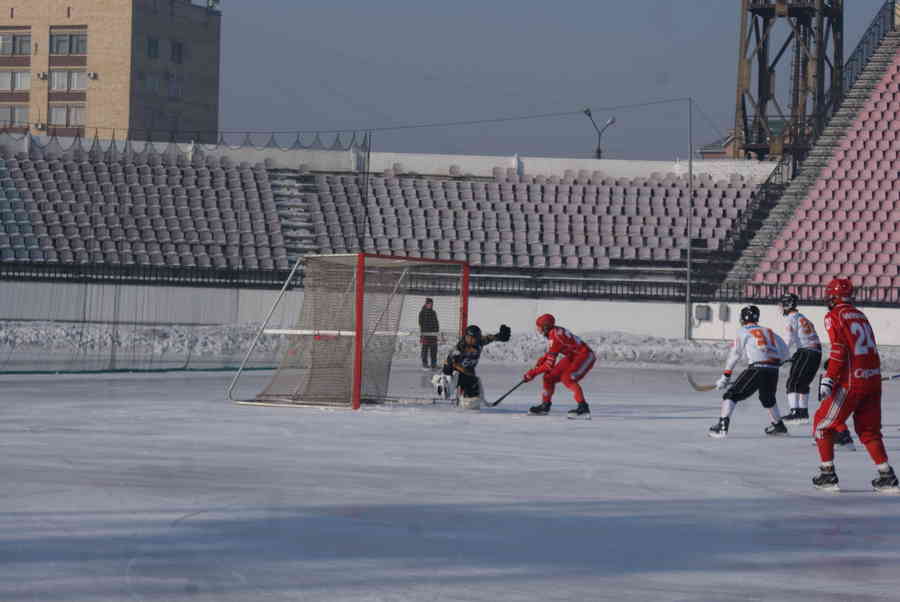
(443, 385)
(470, 389)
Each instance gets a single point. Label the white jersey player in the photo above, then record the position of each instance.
(765, 351)
(802, 338)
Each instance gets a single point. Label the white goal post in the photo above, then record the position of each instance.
(357, 311)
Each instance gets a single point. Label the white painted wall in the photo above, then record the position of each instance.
(212, 306)
(145, 304)
(483, 166)
(439, 164)
(885, 322)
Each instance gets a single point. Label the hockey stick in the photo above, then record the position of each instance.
(891, 377)
(697, 387)
(502, 397)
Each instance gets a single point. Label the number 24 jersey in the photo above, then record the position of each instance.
(854, 358)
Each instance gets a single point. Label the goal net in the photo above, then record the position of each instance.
(359, 322)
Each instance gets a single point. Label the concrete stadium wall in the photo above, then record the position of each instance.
(483, 166)
(885, 321)
(66, 302)
(430, 164)
(210, 306)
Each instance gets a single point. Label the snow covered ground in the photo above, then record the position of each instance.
(153, 487)
(46, 346)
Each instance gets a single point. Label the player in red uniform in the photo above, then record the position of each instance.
(577, 360)
(851, 387)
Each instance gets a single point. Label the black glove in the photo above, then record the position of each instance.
(504, 333)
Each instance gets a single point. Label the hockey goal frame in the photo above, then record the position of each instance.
(360, 261)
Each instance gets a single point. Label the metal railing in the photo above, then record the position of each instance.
(116, 143)
(881, 25)
(517, 282)
(768, 192)
(150, 275)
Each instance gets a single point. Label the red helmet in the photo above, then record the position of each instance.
(839, 288)
(545, 322)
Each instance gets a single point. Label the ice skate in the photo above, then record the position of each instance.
(797, 416)
(581, 412)
(720, 429)
(827, 479)
(542, 409)
(886, 482)
(777, 428)
(843, 440)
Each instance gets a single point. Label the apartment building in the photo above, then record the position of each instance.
(83, 66)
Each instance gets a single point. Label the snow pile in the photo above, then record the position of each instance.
(224, 345)
(613, 347)
(211, 346)
(610, 347)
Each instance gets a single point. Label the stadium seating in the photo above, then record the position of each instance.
(574, 222)
(849, 222)
(157, 210)
(151, 210)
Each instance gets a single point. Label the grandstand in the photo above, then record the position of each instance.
(584, 222)
(200, 212)
(839, 215)
(146, 212)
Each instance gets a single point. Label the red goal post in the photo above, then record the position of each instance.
(357, 311)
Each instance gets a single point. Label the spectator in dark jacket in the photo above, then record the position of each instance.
(429, 329)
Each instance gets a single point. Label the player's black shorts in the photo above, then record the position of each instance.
(751, 380)
(804, 366)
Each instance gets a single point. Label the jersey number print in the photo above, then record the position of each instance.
(762, 342)
(864, 338)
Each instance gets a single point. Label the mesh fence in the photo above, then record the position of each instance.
(319, 352)
(87, 327)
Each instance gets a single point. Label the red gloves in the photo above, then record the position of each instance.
(545, 364)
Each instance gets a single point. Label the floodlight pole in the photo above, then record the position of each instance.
(690, 222)
(599, 152)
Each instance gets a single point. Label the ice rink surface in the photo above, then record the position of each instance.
(153, 487)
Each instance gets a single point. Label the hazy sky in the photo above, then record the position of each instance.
(336, 64)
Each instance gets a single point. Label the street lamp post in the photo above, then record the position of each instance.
(599, 152)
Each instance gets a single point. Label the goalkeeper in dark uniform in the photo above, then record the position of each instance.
(462, 362)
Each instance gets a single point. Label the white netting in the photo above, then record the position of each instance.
(318, 365)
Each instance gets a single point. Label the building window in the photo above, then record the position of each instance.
(153, 48)
(68, 43)
(21, 81)
(15, 81)
(177, 52)
(67, 116)
(76, 116)
(79, 44)
(78, 81)
(152, 83)
(68, 81)
(174, 85)
(14, 116)
(20, 115)
(15, 44)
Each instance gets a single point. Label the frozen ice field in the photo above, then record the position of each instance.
(153, 487)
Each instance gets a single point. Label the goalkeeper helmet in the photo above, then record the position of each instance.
(473, 331)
